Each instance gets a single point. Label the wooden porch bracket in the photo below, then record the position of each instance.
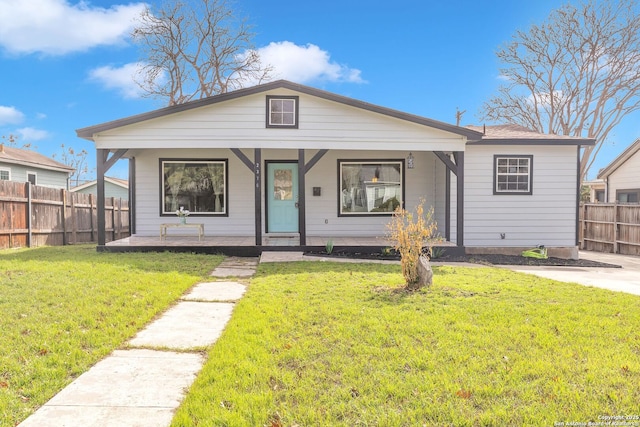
(244, 159)
(447, 161)
(314, 160)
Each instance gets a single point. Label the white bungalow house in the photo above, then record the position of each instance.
(21, 165)
(622, 176)
(283, 159)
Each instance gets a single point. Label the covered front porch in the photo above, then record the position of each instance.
(245, 245)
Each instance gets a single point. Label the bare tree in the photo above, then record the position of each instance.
(194, 49)
(75, 159)
(12, 141)
(578, 74)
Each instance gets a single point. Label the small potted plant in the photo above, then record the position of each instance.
(182, 214)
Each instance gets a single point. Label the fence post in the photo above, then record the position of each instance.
(29, 214)
(91, 221)
(614, 235)
(74, 218)
(64, 217)
(113, 218)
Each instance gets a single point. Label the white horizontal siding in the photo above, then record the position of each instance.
(426, 180)
(547, 217)
(241, 123)
(322, 211)
(44, 177)
(626, 177)
(240, 221)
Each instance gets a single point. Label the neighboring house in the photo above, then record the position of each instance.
(113, 187)
(286, 158)
(622, 176)
(596, 190)
(28, 166)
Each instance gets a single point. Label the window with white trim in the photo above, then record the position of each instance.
(199, 186)
(374, 187)
(282, 112)
(512, 174)
(32, 177)
(5, 174)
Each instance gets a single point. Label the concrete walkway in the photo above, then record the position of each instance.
(141, 385)
(624, 279)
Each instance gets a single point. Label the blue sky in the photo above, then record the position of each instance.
(67, 64)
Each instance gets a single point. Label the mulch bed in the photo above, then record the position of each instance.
(493, 259)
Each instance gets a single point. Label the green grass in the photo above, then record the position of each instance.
(330, 344)
(62, 309)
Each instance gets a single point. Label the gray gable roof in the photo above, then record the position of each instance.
(513, 134)
(32, 159)
(88, 132)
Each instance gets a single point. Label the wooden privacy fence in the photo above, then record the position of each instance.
(610, 228)
(32, 216)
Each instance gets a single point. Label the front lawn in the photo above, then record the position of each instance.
(62, 309)
(332, 344)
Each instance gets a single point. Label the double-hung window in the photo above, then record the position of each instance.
(5, 174)
(199, 186)
(282, 112)
(512, 174)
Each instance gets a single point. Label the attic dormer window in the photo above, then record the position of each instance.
(282, 112)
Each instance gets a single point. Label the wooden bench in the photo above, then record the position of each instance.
(163, 229)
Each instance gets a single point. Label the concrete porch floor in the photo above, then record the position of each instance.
(226, 241)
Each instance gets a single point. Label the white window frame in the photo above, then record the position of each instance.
(8, 171)
(276, 109)
(517, 171)
(190, 201)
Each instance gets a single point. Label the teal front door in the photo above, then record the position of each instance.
(282, 197)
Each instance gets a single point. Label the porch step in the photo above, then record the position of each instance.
(282, 239)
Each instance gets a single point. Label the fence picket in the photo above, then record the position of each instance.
(613, 228)
(32, 216)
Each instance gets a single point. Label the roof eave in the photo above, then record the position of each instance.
(534, 141)
(619, 161)
(34, 165)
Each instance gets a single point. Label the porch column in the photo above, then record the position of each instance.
(257, 156)
(301, 199)
(459, 158)
(132, 196)
(103, 164)
(101, 160)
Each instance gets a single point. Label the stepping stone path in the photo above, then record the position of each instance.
(141, 386)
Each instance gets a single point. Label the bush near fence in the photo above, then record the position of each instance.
(613, 228)
(32, 216)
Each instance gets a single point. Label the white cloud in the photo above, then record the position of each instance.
(10, 116)
(29, 134)
(119, 78)
(57, 27)
(303, 64)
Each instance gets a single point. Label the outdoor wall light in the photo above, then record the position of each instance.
(410, 161)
